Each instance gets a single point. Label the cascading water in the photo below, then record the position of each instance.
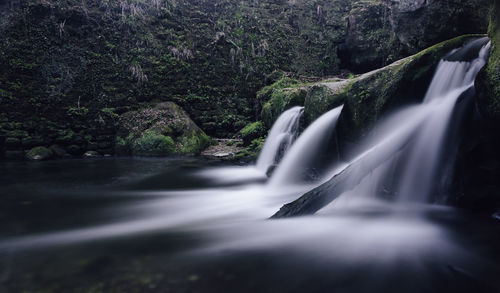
(451, 80)
(308, 147)
(413, 150)
(280, 138)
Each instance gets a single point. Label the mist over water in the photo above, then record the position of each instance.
(193, 225)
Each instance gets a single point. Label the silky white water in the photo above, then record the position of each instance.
(450, 82)
(280, 138)
(413, 147)
(308, 147)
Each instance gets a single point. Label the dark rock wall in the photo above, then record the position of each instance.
(380, 32)
(70, 68)
(478, 171)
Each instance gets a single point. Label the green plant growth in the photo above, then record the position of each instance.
(153, 144)
(253, 131)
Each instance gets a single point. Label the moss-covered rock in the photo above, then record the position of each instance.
(278, 97)
(160, 130)
(478, 164)
(372, 95)
(151, 143)
(251, 152)
(39, 154)
(488, 80)
(252, 131)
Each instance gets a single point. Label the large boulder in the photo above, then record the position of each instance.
(163, 129)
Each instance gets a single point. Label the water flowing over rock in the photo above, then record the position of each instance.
(311, 144)
(451, 80)
(413, 140)
(280, 138)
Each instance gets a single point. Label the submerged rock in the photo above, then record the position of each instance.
(39, 154)
(91, 154)
(271, 170)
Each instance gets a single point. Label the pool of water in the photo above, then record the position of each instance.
(196, 225)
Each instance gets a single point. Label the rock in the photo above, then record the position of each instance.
(366, 97)
(278, 97)
(58, 150)
(421, 23)
(488, 80)
(91, 154)
(271, 170)
(223, 149)
(345, 180)
(39, 154)
(476, 184)
(380, 32)
(161, 130)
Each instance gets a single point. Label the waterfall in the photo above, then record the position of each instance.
(280, 138)
(414, 146)
(306, 150)
(411, 156)
(427, 153)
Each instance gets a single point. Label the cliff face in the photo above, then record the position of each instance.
(479, 162)
(70, 68)
(380, 32)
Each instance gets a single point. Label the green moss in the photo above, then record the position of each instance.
(488, 80)
(153, 144)
(252, 131)
(251, 152)
(281, 99)
(193, 144)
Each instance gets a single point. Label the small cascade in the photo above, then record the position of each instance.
(306, 150)
(282, 135)
(280, 138)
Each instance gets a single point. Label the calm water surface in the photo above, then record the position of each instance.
(195, 225)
